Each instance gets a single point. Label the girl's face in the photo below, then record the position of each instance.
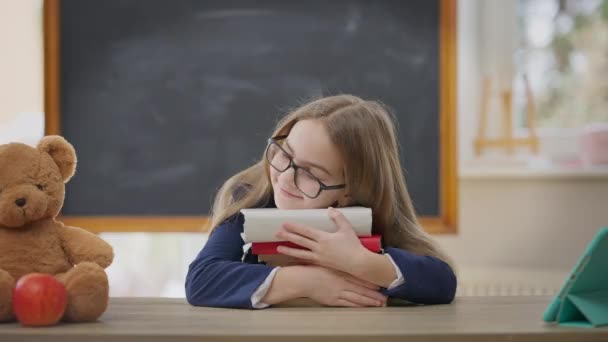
(309, 146)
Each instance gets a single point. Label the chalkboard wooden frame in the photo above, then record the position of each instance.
(446, 222)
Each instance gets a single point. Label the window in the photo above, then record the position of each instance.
(563, 50)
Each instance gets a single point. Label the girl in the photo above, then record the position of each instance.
(333, 152)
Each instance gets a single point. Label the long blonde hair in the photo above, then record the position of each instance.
(365, 134)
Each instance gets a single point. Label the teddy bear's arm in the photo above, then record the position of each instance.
(81, 245)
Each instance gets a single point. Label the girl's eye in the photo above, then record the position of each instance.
(40, 187)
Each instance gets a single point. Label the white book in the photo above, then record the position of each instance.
(261, 224)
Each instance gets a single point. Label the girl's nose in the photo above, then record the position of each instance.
(287, 176)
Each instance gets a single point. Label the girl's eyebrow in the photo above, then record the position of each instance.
(307, 163)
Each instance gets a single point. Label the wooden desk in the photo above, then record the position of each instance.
(467, 319)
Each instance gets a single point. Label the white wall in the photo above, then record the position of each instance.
(469, 76)
(541, 220)
(539, 223)
(21, 71)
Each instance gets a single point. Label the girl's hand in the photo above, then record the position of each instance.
(334, 288)
(340, 250)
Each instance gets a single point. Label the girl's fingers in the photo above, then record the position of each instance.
(360, 299)
(347, 304)
(339, 219)
(364, 291)
(297, 239)
(297, 253)
(300, 229)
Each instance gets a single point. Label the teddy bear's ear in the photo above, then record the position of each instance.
(62, 152)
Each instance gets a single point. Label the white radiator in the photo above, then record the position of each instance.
(509, 282)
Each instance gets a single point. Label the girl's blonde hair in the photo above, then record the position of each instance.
(365, 134)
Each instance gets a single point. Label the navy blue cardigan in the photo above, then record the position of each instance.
(223, 275)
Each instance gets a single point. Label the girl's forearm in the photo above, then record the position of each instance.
(374, 268)
(286, 285)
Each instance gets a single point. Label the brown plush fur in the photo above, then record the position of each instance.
(32, 188)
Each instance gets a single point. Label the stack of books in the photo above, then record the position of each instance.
(262, 224)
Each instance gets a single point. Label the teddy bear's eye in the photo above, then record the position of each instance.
(40, 187)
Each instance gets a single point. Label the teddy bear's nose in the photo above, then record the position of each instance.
(20, 202)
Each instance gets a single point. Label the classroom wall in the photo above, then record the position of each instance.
(469, 60)
(21, 71)
(539, 222)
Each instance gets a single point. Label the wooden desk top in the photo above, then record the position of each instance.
(467, 319)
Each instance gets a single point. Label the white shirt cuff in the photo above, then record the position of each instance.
(260, 292)
(399, 279)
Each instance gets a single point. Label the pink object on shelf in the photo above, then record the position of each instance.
(593, 144)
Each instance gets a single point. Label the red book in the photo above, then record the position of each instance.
(373, 243)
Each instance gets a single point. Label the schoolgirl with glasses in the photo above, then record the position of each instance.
(336, 151)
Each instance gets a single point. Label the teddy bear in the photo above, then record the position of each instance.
(32, 189)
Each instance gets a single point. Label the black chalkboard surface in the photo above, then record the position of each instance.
(164, 100)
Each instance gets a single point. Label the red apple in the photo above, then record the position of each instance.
(39, 300)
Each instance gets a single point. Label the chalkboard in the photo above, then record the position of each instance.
(164, 100)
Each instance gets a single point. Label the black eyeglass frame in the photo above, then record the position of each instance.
(275, 141)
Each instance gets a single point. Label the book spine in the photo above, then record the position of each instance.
(372, 243)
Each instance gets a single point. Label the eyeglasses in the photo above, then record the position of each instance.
(306, 182)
